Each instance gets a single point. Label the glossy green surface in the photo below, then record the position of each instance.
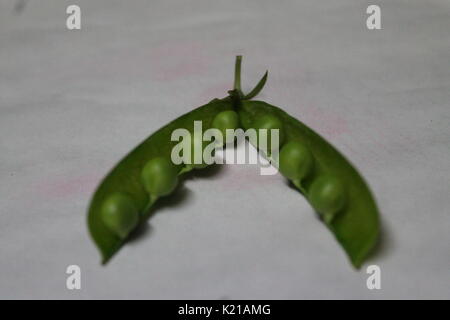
(356, 227)
(119, 214)
(295, 161)
(327, 195)
(268, 122)
(159, 176)
(125, 177)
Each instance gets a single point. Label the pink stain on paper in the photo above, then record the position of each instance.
(68, 186)
(178, 60)
(327, 123)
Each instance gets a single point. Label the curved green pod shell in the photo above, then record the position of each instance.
(125, 177)
(356, 226)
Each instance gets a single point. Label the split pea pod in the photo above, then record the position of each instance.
(327, 179)
(124, 197)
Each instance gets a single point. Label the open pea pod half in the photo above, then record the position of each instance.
(123, 189)
(328, 180)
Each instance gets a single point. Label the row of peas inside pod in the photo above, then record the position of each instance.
(159, 177)
(296, 162)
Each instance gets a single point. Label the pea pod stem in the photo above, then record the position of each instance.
(237, 82)
(257, 89)
(237, 75)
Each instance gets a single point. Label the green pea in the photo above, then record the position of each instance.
(327, 195)
(159, 176)
(119, 214)
(224, 120)
(269, 122)
(295, 160)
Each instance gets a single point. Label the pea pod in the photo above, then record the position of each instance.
(126, 177)
(124, 198)
(333, 187)
(330, 183)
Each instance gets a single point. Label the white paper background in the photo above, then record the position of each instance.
(72, 103)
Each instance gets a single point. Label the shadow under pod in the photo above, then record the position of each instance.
(174, 200)
(205, 173)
